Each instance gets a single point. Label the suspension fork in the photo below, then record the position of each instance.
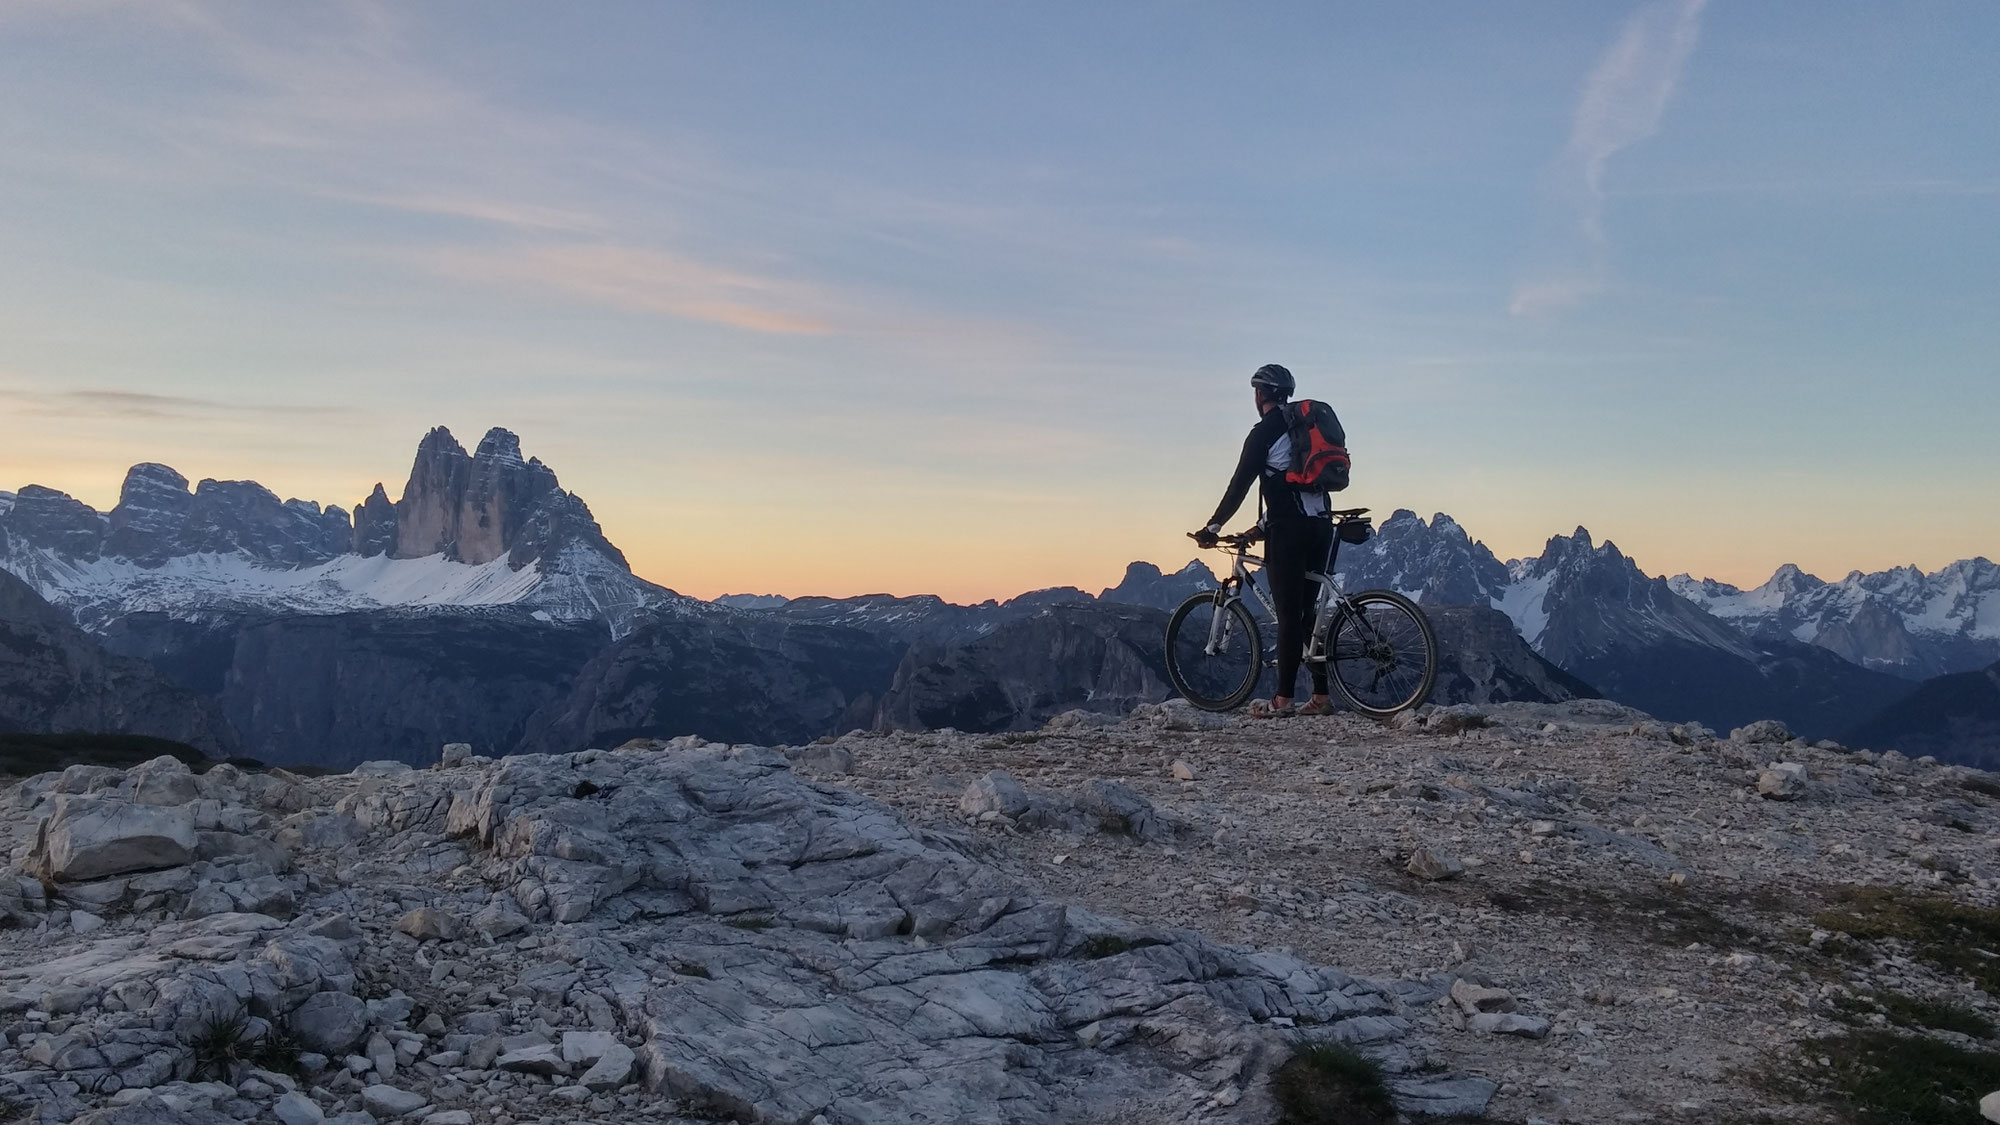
(1230, 591)
(1218, 623)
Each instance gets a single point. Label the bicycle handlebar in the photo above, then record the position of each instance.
(1241, 539)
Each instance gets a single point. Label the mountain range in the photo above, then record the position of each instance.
(487, 528)
(1903, 621)
(485, 604)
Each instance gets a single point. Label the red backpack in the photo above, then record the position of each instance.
(1319, 447)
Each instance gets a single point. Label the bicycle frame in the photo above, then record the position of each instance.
(1326, 602)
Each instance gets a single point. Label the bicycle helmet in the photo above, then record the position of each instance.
(1274, 380)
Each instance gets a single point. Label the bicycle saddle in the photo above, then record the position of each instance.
(1347, 513)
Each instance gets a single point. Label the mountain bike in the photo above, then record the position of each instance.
(1380, 651)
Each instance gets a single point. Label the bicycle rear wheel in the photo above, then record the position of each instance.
(1382, 654)
(1213, 663)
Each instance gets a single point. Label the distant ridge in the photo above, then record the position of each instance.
(489, 528)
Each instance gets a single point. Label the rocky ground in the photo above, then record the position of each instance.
(1562, 912)
(1650, 896)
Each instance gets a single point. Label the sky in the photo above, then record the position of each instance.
(814, 298)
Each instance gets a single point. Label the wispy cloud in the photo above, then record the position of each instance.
(1623, 101)
(507, 213)
(355, 105)
(643, 280)
(113, 403)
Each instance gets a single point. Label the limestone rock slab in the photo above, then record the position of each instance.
(94, 837)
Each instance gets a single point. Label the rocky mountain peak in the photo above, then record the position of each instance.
(1578, 553)
(45, 517)
(1790, 579)
(152, 505)
(487, 505)
(1144, 584)
(233, 543)
(499, 445)
(159, 518)
(437, 441)
(150, 486)
(375, 524)
(1436, 562)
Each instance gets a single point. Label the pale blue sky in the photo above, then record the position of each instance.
(830, 298)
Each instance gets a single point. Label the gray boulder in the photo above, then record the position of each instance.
(165, 780)
(997, 792)
(297, 1109)
(611, 1070)
(93, 837)
(388, 1101)
(542, 1058)
(1761, 731)
(330, 1022)
(1116, 807)
(1783, 781)
(1434, 864)
(586, 1047)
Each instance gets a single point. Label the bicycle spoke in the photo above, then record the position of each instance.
(1212, 653)
(1381, 654)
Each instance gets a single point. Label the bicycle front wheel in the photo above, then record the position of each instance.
(1214, 654)
(1382, 654)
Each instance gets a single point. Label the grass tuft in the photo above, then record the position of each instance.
(1891, 1078)
(1328, 1084)
(1938, 929)
(1911, 1012)
(221, 1046)
(1662, 913)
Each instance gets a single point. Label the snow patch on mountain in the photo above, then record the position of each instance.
(1524, 602)
(579, 586)
(190, 583)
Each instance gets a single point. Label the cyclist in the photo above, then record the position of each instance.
(1298, 538)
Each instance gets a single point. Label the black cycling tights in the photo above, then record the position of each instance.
(1291, 548)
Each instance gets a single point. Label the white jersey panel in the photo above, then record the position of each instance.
(1279, 460)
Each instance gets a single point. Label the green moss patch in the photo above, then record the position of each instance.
(1947, 934)
(1912, 1012)
(1892, 1078)
(1327, 1084)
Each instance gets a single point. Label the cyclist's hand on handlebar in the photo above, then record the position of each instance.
(1204, 538)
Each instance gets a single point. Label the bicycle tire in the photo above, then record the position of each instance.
(1213, 684)
(1398, 649)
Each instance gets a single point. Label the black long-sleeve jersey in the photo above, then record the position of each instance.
(1267, 454)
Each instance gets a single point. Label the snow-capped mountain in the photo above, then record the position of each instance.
(1903, 621)
(482, 529)
(1436, 562)
(1578, 600)
(1591, 611)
